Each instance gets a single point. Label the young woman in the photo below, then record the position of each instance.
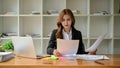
(65, 30)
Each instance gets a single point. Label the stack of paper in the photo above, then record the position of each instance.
(4, 56)
(96, 44)
(92, 57)
(67, 47)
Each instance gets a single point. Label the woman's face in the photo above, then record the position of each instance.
(66, 23)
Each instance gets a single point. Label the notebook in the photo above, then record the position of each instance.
(24, 46)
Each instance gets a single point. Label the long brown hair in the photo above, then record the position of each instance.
(60, 19)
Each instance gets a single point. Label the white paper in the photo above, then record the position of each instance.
(67, 47)
(92, 57)
(96, 44)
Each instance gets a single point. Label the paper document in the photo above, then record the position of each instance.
(96, 44)
(67, 47)
(92, 57)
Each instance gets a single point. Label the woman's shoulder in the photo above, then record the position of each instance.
(54, 30)
(76, 34)
(76, 31)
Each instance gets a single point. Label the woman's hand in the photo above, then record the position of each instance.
(92, 52)
(56, 53)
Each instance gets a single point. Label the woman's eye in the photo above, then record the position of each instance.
(63, 20)
(68, 19)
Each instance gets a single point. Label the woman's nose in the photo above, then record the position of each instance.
(66, 22)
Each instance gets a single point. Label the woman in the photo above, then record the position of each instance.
(65, 30)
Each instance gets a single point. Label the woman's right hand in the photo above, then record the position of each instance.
(56, 53)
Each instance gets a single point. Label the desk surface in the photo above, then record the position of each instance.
(21, 62)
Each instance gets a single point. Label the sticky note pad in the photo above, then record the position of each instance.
(53, 57)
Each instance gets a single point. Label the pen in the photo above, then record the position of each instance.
(99, 62)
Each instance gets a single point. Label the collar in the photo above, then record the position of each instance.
(66, 35)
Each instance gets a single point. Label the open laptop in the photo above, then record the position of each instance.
(24, 46)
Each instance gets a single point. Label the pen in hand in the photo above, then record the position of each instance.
(99, 62)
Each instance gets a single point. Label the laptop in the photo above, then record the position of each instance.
(24, 46)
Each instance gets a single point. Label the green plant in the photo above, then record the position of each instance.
(7, 46)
